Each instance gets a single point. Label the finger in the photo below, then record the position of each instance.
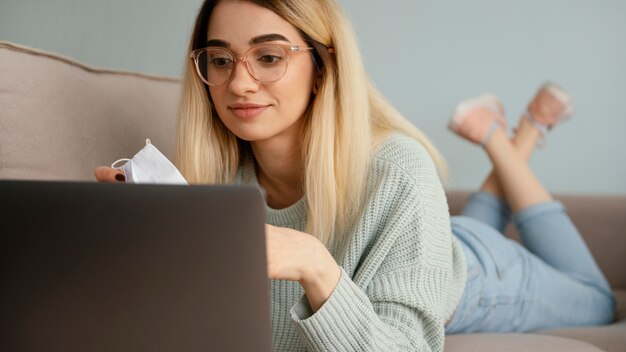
(109, 174)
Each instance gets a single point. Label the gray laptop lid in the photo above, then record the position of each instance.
(103, 267)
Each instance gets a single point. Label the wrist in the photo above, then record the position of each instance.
(325, 275)
(320, 279)
(321, 268)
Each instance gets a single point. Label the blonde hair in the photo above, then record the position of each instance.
(346, 120)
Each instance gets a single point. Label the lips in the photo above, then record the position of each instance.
(247, 111)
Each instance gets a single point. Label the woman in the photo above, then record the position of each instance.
(359, 242)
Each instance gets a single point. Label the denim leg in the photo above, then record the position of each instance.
(509, 289)
(547, 231)
(489, 209)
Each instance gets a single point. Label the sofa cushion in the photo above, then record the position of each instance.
(611, 338)
(60, 118)
(514, 343)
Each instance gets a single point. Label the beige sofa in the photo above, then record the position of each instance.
(59, 119)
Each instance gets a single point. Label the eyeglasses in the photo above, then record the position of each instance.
(266, 63)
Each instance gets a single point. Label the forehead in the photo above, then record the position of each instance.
(237, 22)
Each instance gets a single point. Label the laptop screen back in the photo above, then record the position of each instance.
(103, 267)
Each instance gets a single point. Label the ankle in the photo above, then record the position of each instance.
(527, 130)
(493, 128)
(496, 138)
(526, 138)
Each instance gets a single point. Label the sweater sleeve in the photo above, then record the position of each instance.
(395, 301)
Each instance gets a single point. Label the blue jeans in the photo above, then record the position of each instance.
(552, 281)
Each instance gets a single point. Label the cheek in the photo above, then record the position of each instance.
(293, 103)
(217, 99)
(297, 91)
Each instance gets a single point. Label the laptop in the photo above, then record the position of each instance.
(125, 267)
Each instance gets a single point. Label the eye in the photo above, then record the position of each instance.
(269, 59)
(220, 62)
(268, 55)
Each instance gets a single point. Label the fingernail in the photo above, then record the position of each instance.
(120, 178)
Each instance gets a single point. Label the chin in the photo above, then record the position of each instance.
(250, 135)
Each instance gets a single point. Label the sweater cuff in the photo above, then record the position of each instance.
(342, 322)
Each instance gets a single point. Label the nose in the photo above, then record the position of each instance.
(241, 81)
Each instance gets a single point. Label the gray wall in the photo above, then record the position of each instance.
(424, 55)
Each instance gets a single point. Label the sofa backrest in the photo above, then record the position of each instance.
(59, 119)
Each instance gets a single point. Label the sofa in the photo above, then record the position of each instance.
(59, 119)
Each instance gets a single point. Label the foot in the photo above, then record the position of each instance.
(476, 119)
(550, 106)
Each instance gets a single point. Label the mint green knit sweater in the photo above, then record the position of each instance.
(403, 272)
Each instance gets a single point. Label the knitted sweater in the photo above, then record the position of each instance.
(402, 271)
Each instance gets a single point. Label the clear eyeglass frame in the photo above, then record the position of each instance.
(287, 49)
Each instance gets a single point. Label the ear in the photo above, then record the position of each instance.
(317, 83)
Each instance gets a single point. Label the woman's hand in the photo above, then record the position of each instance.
(296, 256)
(109, 174)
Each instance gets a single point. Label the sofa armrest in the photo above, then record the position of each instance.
(601, 220)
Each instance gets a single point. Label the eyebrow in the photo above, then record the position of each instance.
(268, 38)
(256, 40)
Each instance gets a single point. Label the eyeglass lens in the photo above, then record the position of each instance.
(266, 63)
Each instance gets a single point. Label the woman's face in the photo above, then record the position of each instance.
(256, 111)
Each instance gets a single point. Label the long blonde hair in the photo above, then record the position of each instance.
(347, 119)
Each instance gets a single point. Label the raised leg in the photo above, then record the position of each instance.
(518, 183)
(490, 204)
(524, 141)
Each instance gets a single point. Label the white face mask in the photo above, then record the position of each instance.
(149, 165)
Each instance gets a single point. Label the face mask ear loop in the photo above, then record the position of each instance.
(125, 159)
(119, 161)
